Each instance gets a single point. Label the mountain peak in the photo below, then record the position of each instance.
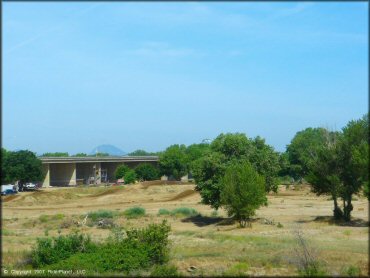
(110, 149)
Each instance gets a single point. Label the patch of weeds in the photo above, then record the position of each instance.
(95, 215)
(347, 233)
(44, 218)
(279, 225)
(7, 233)
(214, 213)
(185, 233)
(184, 211)
(165, 271)
(351, 271)
(163, 211)
(134, 212)
(238, 269)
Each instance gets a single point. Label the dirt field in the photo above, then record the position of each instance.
(209, 243)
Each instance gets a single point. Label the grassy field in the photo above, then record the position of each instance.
(203, 242)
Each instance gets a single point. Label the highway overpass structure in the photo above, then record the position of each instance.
(69, 171)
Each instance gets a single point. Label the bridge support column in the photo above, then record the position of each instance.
(46, 169)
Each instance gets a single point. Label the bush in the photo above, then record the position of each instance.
(155, 238)
(95, 215)
(44, 218)
(163, 212)
(138, 249)
(352, 271)
(51, 250)
(134, 212)
(279, 225)
(243, 191)
(147, 172)
(121, 171)
(184, 211)
(130, 177)
(165, 271)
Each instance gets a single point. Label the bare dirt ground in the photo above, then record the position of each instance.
(209, 242)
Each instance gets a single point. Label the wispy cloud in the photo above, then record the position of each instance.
(52, 29)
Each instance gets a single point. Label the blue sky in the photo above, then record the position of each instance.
(148, 75)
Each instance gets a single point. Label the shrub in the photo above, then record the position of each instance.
(352, 271)
(121, 171)
(44, 218)
(163, 212)
(134, 212)
(155, 238)
(279, 225)
(165, 271)
(147, 172)
(130, 177)
(243, 191)
(95, 215)
(51, 250)
(184, 211)
(121, 253)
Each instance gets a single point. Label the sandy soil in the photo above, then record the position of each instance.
(207, 242)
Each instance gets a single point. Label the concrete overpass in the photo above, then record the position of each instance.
(65, 171)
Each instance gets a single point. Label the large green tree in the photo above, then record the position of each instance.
(325, 172)
(301, 151)
(243, 191)
(120, 171)
(22, 166)
(233, 148)
(141, 153)
(354, 160)
(173, 162)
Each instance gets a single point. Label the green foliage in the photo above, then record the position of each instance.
(301, 149)
(354, 160)
(279, 225)
(165, 271)
(121, 171)
(351, 271)
(100, 154)
(100, 214)
(194, 152)
(227, 149)
(80, 155)
(155, 239)
(147, 172)
(238, 269)
(141, 153)
(134, 212)
(324, 170)
(140, 249)
(23, 166)
(184, 211)
(243, 191)
(51, 250)
(173, 162)
(56, 154)
(163, 211)
(130, 177)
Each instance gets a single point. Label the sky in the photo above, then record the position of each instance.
(148, 75)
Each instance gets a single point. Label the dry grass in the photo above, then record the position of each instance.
(212, 244)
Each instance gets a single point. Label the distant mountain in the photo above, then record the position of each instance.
(110, 149)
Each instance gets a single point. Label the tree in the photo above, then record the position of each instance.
(266, 161)
(140, 153)
(130, 176)
(80, 155)
(354, 160)
(208, 172)
(233, 148)
(56, 154)
(4, 154)
(121, 171)
(196, 151)
(302, 149)
(22, 166)
(243, 191)
(173, 161)
(147, 172)
(324, 171)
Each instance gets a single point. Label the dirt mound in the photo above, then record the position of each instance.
(9, 198)
(183, 195)
(109, 191)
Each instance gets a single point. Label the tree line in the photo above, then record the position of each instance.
(232, 170)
